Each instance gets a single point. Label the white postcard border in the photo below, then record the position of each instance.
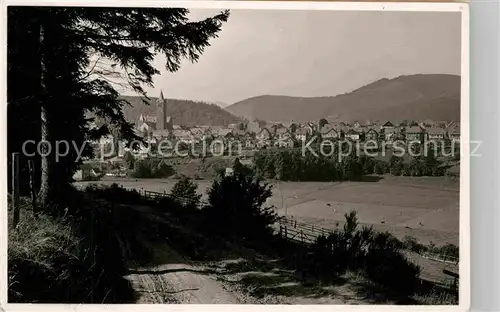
(464, 266)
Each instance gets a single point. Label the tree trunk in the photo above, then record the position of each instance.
(47, 165)
(46, 194)
(59, 119)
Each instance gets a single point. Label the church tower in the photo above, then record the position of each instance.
(161, 113)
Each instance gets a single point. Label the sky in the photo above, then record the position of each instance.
(312, 53)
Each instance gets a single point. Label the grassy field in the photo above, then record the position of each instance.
(426, 208)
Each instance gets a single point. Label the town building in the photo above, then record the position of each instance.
(329, 132)
(302, 133)
(159, 125)
(453, 132)
(353, 135)
(389, 131)
(371, 135)
(263, 137)
(183, 135)
(414, 134)
(435, 134)
(163, 121)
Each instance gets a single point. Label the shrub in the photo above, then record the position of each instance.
(368, 166)
(410, 243)
(142, 170)
(367, 163)
(386, 265)
(129, 160)
(151, 168)
(438, 297)
(406, 170)
(394, 160)
(397, 169)
(114, 166)
(35, 251)
(162, 170)
(446, 251)
(236, 208)
(343, 249)
(376, 254)
(238, 167)
(185, 191)
(79, 258)
(116, 194)
(380, 167)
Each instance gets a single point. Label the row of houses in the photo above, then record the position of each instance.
(252, 131)
(256, 135)
(387, 132)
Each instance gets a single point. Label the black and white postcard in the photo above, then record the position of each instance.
(235, 153)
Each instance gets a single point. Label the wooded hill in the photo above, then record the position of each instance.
(414, 97)
(183, 112)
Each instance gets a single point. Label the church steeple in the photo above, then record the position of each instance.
(161, 115)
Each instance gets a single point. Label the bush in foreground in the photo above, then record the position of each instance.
(446, 252)
(78, 258)
(377, 254)
(184, 191)
(236, 207)
(387, 265)
(37, 249)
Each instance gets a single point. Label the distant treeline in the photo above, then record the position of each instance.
(294, 165)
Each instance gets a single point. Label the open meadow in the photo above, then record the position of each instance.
(426, 208)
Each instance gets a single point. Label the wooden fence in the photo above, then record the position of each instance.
(15, 201)
(160, 195)
(307, 233)
(304, 232)
(300, 232)
(440, 258)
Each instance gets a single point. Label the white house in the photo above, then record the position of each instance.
(329, 132)
(353, 135)
(435, 134)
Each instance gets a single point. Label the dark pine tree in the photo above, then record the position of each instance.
(66, 64)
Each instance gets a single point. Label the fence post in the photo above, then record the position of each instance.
(92, 285)
(15, 188)
(31, 166)
(286, 233)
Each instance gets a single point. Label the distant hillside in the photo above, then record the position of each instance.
(183, 112)
(414, 97)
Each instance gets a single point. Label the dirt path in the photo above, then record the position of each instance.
(170, 278)
(177, 281)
